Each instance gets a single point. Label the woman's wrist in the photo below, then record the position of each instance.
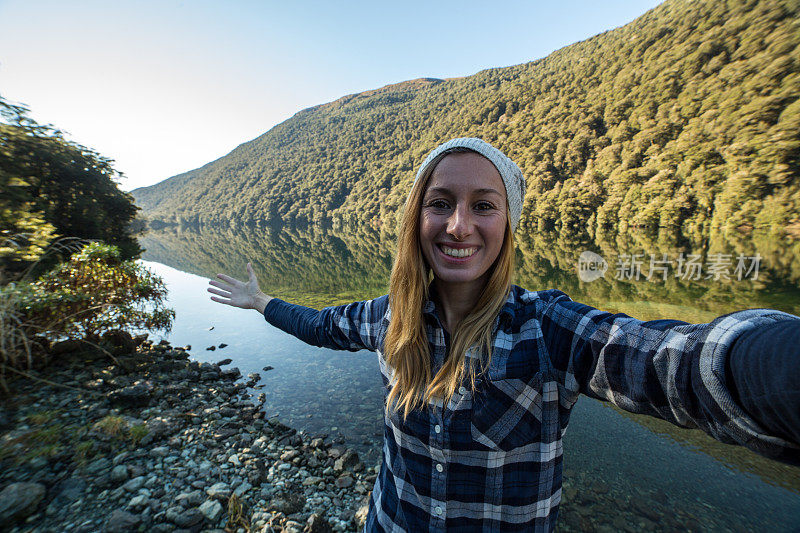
(260, 302)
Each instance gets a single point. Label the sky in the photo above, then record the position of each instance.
(165, 86)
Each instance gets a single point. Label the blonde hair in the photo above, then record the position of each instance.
(406, 344)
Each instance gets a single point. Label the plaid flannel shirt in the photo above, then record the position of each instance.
(492, 460)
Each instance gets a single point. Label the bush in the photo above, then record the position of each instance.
(93, 293)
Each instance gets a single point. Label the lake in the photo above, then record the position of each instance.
(622, 471)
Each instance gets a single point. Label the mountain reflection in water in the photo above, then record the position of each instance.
(622, 471)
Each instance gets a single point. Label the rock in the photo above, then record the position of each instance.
(343, 482)
(348, 460)
(190, 499)
(267, 368)
(137, 502)
(241, 489)
(137, 395)
(219, 491)
(212, 510)
(287, 504)
(20, 500)
(224, 362)
(211, 348)
(184, 517)
(120, 342)
(231, 374)
(159, 451)
(311, 481)
(317, 443)
(222, 345)
(67, 491)
(119, 474)
(132, 485)
(317, 524)
(121, 522)
(234, 460)
(67, 346)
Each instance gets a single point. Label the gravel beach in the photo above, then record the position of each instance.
(148, 440)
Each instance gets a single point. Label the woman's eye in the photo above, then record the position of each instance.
(483, 206)
(438, 204)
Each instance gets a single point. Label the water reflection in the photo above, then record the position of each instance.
(622, 471)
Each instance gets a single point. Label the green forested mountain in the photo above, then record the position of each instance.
(687, 118)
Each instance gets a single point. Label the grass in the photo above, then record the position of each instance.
(137, 433)
(112, 426)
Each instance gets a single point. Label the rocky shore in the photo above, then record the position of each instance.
(151, 441)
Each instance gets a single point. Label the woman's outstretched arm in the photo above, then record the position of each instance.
(243, 294)
(712, 376)
(351, 327)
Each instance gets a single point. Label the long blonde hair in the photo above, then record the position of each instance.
(406, 344)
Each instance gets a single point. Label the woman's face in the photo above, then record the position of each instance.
(463, 219)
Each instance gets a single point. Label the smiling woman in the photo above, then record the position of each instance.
(481, 376)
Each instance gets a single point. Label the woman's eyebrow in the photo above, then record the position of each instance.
(445, 190)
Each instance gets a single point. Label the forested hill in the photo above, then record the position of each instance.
(687, 117)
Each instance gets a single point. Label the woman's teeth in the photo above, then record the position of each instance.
(463, 252)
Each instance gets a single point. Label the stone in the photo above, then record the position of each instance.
(132, 485)
(212, 510)
(311, 481)
(20, 500)
(211, 348)
(160, 451)
(317, 524)
(360, 517)
(343, 482)
(184, 517)
(137, 502)
(119, 473)
(190, 499)
(121, 522)
(348, 460)
(137, 395)
(219, 491)
(224, 362)
(241, 489)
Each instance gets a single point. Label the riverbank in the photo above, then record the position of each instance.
(151, 441)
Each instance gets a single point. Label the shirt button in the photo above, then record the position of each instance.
(438, 510)
(439, 467)
(437, 428)
(462, 391)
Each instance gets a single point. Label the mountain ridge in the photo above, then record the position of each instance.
(686, 118)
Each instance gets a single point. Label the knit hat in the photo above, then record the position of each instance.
(512, 176)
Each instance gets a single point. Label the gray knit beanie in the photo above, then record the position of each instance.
(509, 171)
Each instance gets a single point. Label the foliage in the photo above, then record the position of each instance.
(687, 118)
(55, 187)
(94, 292)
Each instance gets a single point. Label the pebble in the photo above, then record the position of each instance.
(200, 443)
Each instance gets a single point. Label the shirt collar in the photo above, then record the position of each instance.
(505, 318)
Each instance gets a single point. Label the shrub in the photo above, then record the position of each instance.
(91, 294)
(94, 292)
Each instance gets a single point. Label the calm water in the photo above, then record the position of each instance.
(622, 471)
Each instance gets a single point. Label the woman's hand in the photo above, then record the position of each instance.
(245, 295)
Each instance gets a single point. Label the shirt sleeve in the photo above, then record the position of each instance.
(350, 327)
(665, 368)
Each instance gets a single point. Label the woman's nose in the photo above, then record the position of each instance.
(460, 223)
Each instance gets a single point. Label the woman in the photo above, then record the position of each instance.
(481, 376)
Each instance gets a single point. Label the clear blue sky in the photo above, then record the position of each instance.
(164, 86)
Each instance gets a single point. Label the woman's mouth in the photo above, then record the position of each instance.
(457, 252)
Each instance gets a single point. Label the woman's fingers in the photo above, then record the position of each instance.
(229, 279)
(226, 294)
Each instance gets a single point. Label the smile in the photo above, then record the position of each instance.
(453, 252)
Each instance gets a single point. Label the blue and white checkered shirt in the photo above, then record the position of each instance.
(492, 460)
